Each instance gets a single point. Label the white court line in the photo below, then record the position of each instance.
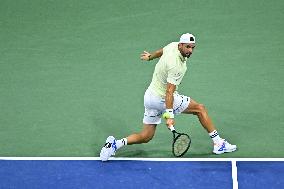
(143, 159)
(235, 175)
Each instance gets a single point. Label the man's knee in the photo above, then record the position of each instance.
(199, 109)
(147, 133)
(195, 108)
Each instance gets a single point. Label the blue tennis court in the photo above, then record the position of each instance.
(261, 174)
(138, 174)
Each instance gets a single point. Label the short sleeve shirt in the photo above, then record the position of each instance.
(170, 69)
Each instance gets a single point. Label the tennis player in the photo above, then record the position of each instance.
(162, 97)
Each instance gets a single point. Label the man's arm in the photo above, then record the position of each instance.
(150, 56)
(169, 103)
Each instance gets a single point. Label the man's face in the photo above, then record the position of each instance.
(186, 49)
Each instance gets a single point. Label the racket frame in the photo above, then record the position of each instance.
(176, 135)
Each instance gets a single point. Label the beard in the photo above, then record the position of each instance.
(187, 55)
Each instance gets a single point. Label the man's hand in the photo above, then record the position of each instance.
(145, 56)
(170, 122)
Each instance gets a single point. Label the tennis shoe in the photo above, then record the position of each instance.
(109, 148)
(223, 146)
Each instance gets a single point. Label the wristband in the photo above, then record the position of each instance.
(170, 113)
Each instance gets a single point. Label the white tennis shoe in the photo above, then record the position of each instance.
(109, 148)
(223, 146)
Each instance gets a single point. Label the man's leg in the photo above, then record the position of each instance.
(112, 145)
(144, 136)
(200, 111)
(220, 145)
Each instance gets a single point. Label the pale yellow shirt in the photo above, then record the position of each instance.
(170, 69)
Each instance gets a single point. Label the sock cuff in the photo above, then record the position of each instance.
(124, 141)
(213, 134)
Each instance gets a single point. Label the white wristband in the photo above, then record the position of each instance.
(170, 113)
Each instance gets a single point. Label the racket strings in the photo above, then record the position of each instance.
(181, 145)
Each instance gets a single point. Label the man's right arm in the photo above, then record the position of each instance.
(169, 100)
(150, 56)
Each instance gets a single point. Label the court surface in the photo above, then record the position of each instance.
(141, 173)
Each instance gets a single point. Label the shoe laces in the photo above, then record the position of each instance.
(228, 144)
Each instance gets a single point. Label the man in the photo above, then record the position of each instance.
(162, 97)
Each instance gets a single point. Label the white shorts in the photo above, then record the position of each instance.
(155, 106)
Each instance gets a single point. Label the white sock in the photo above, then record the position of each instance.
(215, 136)
(121, 142)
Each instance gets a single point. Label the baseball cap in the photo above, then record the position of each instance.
(187, 38)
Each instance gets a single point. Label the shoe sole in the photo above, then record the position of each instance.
(225, 151)
(103, 157)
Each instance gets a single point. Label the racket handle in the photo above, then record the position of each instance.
(171, 128)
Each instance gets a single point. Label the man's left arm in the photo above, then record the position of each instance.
(150, 56)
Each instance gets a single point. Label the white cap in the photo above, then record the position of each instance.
(187, 38)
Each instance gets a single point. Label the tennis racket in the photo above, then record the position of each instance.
(181, 142)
